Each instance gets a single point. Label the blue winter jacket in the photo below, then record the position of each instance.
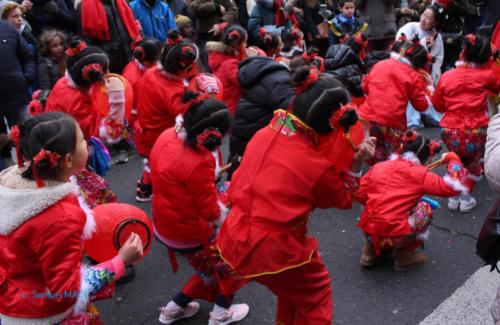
(156, 21)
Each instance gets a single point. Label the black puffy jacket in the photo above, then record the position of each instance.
(342, 62)
(17, 69)
(266, 87)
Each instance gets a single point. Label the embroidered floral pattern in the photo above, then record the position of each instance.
(207, 261)
(469, 145)
(290, 125)
(94, 189)
(388, 141)
(98, 279)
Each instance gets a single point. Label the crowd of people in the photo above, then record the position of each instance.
(306, 93)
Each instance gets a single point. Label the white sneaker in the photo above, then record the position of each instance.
(453, 203)
(466, 205)
(235, 313)
(173, 312)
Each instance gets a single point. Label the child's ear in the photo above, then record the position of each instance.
(68, 161)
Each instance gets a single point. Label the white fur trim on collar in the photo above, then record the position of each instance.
(455, 184)
(20, 205)
(90, 225)
(408, 155)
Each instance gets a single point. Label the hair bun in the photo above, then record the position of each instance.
(300, 75)
(349, 118)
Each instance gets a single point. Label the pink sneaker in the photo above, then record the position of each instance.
(235, 313)
(170, 314)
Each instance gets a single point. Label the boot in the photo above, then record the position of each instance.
(368, 256)
(406, 260)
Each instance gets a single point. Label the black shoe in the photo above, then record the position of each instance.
(143, 192)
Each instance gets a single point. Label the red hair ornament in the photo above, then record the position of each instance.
(334, 120)
(311, 79)
(44, 155)
(77, 49)
(202, 138)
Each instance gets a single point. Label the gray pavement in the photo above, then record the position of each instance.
(375, 296)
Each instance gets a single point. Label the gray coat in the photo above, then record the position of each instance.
(48, 73)
(380, 17)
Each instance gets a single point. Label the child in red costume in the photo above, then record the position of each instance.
(92, 187)
(282, 178)
(223, 59)
(184, 163)
(461, 95)
(76, 92)
(162, 89)
(389, 86)
(394, 219)
(271, 44)
(42, 228)
(146, 55)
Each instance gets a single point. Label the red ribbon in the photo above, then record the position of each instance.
(311, 79)
(410, 136)
(433, 147)
(209, 132)
(402, 37)
(15, 135)
(334, 120)
(51, 157)
(89, 68)
(77, 49)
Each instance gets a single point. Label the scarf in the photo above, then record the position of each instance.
(95, 22)
(280, 16)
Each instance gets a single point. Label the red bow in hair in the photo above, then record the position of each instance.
(174, 41)
(233, 36)
(262, 32)
(402, 37)
(410, 136)
(77, 49)
(363, 42)
(334, 120)
(311, 79)
(471, 39)
(433, 147)
(51, 157)
(35, 107)
(89, 68)
(15, 136)
(202, 138)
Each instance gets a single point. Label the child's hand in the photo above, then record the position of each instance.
(366, 149)
(132, 249)
(450, 156)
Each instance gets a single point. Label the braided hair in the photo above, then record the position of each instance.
(205, 115)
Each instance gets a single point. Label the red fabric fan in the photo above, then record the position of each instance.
(115, 222)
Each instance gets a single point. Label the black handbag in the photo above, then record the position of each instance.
(488, 243)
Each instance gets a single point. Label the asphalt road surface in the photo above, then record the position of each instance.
(374, 296)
